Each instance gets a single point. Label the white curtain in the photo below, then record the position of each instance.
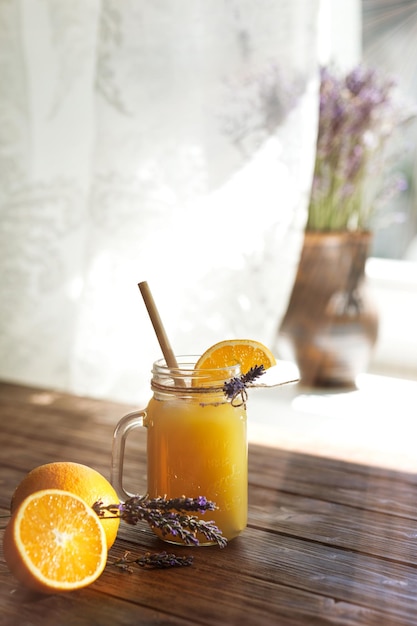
(162, 140)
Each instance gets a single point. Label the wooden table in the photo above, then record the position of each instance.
(328, 541)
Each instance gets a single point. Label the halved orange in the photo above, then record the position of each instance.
(246, 352)
(54, 542)
(76, 478)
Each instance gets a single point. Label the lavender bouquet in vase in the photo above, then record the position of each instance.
(331, 324)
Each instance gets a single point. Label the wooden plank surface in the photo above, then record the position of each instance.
(328, 542)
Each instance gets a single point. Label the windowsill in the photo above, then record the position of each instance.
(373, 424)
(393, 274)
(376, 422)
(394, 288)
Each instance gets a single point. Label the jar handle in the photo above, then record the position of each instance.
(127, 423)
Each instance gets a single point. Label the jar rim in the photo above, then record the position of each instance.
(186, 376)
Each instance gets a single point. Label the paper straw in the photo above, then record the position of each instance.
(161, 335)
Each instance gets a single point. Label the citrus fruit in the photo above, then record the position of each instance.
(245, 352)
(54, 542)
(76, 478)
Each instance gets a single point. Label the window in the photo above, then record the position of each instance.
(389, 29)
(383, 33)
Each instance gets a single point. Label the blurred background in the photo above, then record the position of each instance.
(174, 142)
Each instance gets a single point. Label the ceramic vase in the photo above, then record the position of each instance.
(331, 324)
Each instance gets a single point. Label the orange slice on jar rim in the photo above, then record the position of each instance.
(247, 353)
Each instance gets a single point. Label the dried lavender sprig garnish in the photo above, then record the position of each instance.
(168, 516)
(253, 374)
(200, 504)
(235, 388)
(159, 560)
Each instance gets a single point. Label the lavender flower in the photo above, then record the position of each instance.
(159, 560)
(358, 113)
(169, 516)
(236, 387)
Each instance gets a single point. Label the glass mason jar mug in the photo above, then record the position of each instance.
(196, 443)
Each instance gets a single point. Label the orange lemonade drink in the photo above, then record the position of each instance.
(198, 447)
(196, 433)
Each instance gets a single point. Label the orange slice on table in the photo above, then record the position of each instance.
(245, 352)
(54, 542)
